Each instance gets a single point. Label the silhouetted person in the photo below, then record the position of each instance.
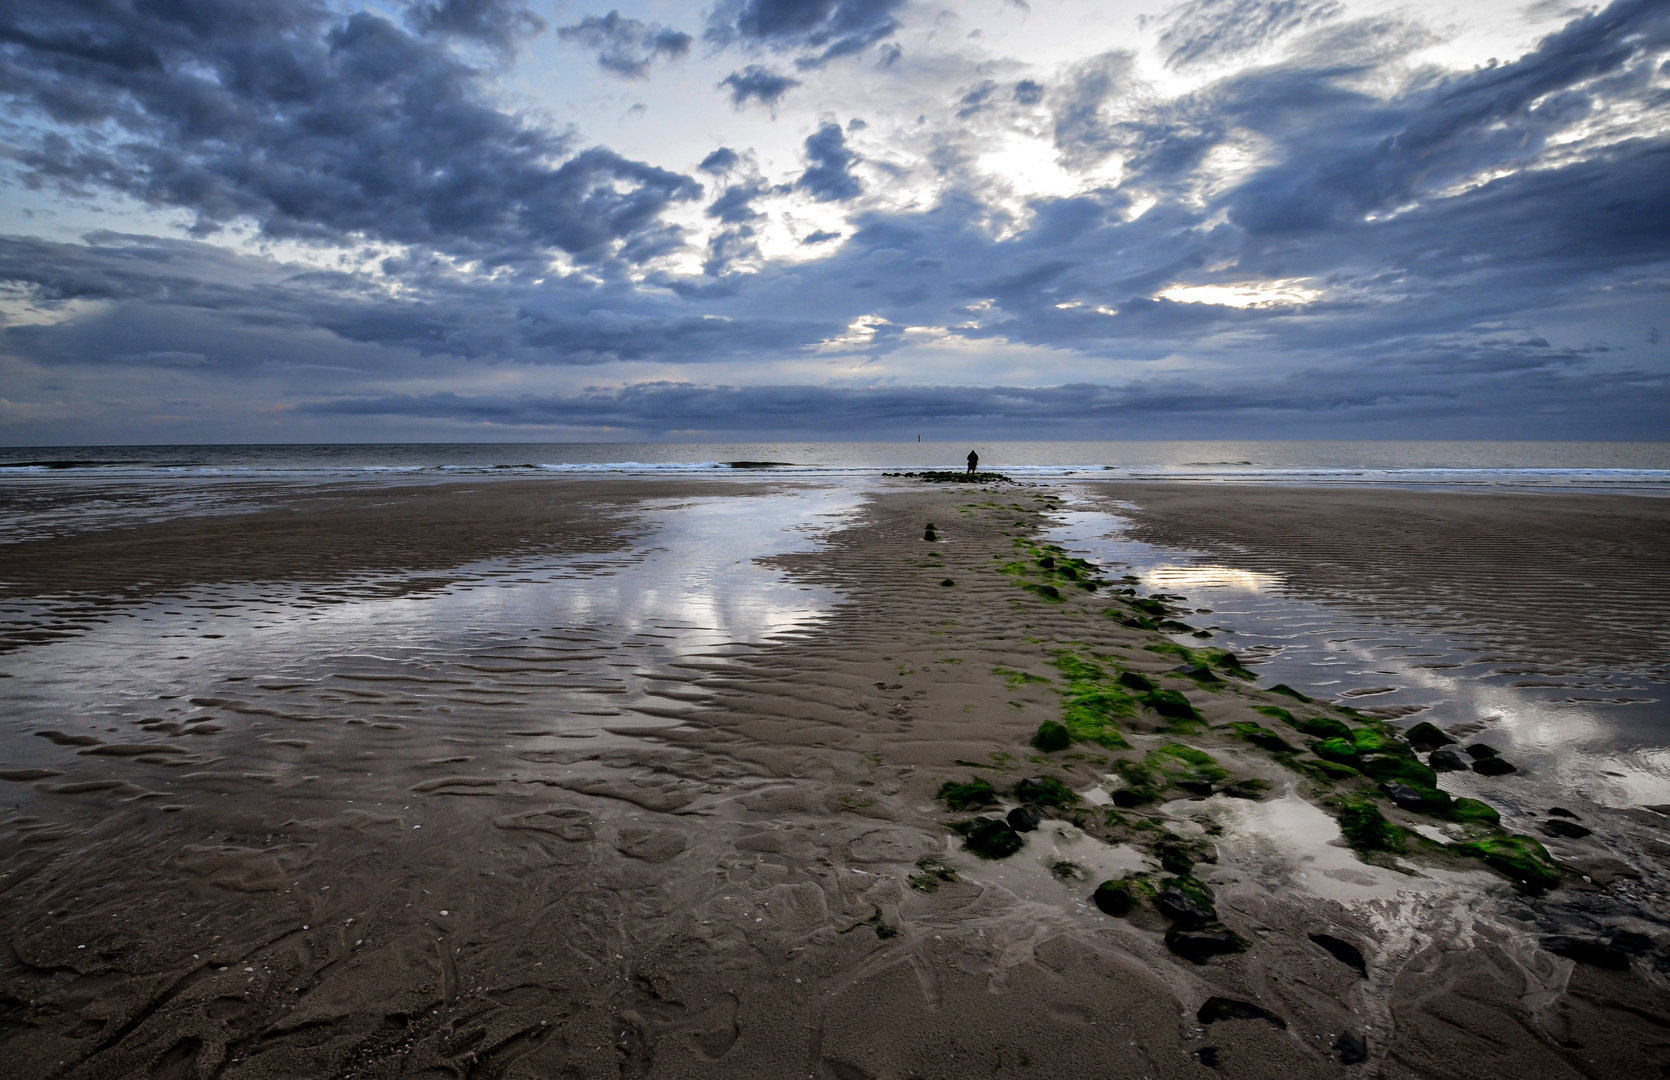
(973, 462)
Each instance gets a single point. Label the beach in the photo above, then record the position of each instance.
(680, 777)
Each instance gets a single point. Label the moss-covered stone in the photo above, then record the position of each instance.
(975, 793)
(1426, 736)
(1519, 858)
(1470, 810)
(1170, 703)
(1342, 751)
(1326, 727)
(1045, 791)
(989, 838)
(1276, 712)
(1405, 769)
(1121, 896)
(1288, 691)
(1261, 736)
(1365, 828)
(1052, 737)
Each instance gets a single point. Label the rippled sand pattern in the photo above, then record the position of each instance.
(1568, 580)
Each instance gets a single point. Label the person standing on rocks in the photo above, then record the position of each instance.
(973, 462)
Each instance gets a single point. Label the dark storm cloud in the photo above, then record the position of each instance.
(627, 47)
(821, 30)
(1321, 400)
(497, 23)
(1207, 31)
(316, 126)
(758, 84)
(828, 176)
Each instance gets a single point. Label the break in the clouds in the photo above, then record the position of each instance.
(290, 219)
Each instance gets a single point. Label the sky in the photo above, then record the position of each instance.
(488, 220)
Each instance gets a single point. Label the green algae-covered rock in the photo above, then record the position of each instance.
(1519, 858)
(1051, 737)
(1341, 750)
(989, 838)
(1465, 809)
(1366, 829)
(1325, 727)
(963, 796)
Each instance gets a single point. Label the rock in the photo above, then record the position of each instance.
(1352, 1049)
(1202, 788)
(1631, 942)
(1028, 790)
(1025, 819)
(1200, 945)
(1217, 1008)
(1560, 811)
(1587, 950)
(1251, 788)
(1493, 766)
(1114, 898)
(1135, 682)
(1408, 798)
(1480, 750)
(1569, 829)
(990, 838)
(948, 583)
(1426, 736)
(1657, 808)
(1052, 737)
(1183, 909)
(1343, 951)
(1448, 759)
(1207, 1056)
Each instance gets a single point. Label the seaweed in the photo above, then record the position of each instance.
(1276, 712)
(930, 874)
(1184, 764)
(964, 796)
(1014, 679)
(1365, 828)
(1465, 809)
(1341, 751)
(1519, 858)
(1325, 727)
(1045, 791)
(1051, 737)
(1391, 767)
(989, 838)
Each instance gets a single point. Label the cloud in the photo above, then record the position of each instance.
(495, 23)
(759, 84)
(627, 47)
(721, 161)
(821, 30)
(828, 177)
(316, 127)
(1204, 32)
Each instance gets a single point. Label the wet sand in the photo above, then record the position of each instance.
(1560, 578)
(746, 873)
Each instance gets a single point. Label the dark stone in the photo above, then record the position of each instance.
(1207, 1056)
(990, 838)
(1129, 797)
(1229, 660)
(948, 583)
(1217, 1008)
(1047, 562)
(1568, 829)
(1426, 736)
(1448, 759)
(1198, 672)
(1202, 788)
(1135, 682)
(928, 533)
(1493, 766)
(1480, 750)
(1183, 909)
(1025, 819)
(1560, 811)
(1028, 790)
(1343, 951)
(1352, 1049)
(1114, 898)
(1283, 688)
(1252, 788)
(1591, 951)
(1200, 945)
(1631, 942)
(1406, 797)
